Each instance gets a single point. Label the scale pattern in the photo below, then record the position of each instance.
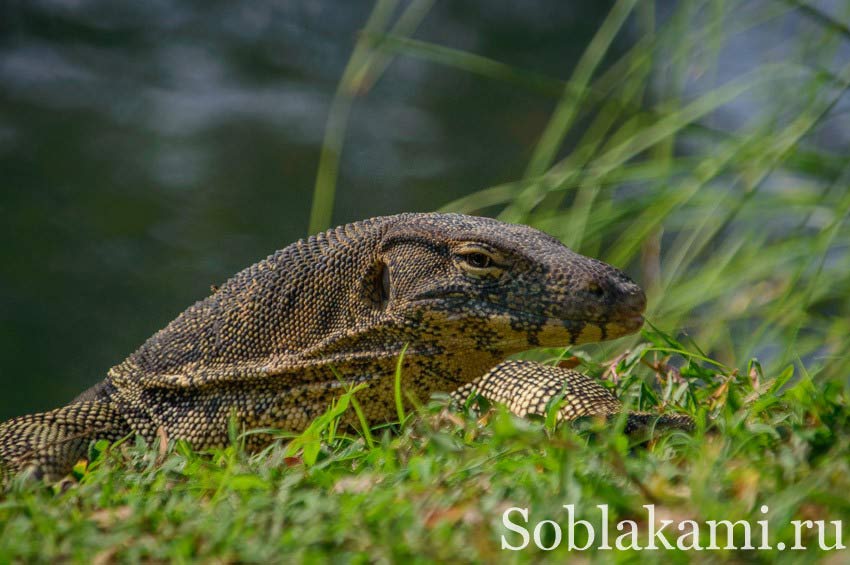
(275, 344)
(527, 388)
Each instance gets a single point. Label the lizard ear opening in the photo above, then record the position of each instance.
(384, 285)
(378, 285)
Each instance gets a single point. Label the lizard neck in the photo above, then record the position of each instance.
(279, 308)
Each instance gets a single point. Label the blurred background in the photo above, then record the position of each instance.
(151, 149)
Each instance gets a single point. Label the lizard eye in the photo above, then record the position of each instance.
(478, 260)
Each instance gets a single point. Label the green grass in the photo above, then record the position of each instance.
(738, 234)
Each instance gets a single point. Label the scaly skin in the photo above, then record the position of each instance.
(270, 346)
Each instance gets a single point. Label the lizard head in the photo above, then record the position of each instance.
(506, 288)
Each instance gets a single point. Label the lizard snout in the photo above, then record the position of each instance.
(628, 296)
(626, 302)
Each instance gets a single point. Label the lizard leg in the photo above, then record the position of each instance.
(50, 443)
(526, 387)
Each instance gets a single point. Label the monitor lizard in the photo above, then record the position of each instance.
(275, 344)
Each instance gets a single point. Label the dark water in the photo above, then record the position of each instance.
(151, 149)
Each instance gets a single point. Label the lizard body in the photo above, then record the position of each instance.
(275, 344)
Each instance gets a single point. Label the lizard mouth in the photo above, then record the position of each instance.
(618, 328)
(581, 330)
(609, 327)
(633, 322)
